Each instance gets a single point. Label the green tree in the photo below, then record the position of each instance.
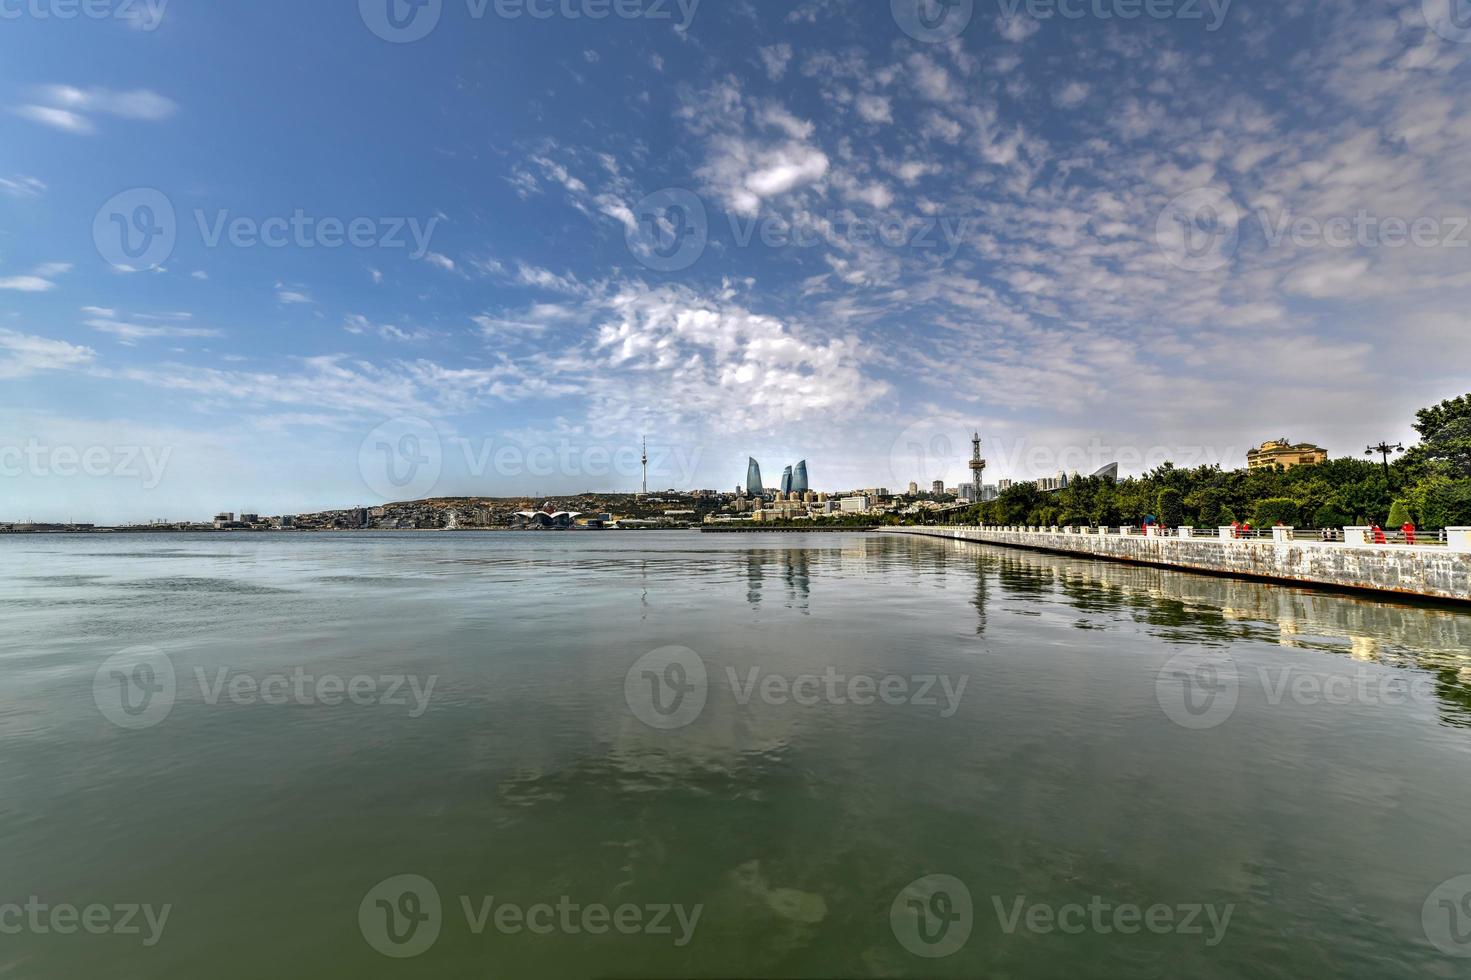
(1169, 507)
(1445, 439)
(1399, 514)
(1331, 515)
(1275, 510)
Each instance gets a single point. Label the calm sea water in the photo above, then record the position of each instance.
(1039, 766)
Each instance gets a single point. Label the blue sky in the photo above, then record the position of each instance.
(840, 230)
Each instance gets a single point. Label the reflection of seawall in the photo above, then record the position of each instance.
(1426, 572)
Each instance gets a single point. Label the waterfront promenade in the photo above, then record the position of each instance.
(1441, 572)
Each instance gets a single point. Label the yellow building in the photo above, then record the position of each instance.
(1280, 452)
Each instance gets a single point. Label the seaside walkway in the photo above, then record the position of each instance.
(1438, 570)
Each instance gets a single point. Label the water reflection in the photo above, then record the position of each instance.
(1183, 607)
(794, 568)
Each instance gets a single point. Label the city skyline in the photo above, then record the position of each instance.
(826, 232)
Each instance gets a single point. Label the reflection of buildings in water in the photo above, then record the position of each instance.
(1365, 648)
(794, 569)
(1190, 607)
(798, 577)
(754, 574)
(981, 597)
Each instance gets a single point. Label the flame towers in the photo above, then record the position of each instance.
(793, 479)
(799, 479)
(753, 479)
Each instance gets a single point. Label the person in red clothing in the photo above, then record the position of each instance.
(1409, 532)
(1379, 537)
(1235, 529)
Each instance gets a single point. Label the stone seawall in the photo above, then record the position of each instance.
(1425, 572)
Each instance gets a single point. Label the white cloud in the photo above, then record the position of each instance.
(875, 108)
(24, 354)
(129, 332)
(775, 58)
(1071, 95)
(22, 186)
(62, 119)
(39, 280)
(141, 104)
(27, 284)
(70, 109)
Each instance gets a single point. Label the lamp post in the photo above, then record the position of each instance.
(1384, 449)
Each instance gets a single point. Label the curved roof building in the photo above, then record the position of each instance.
(799, 478)
(786, 480)
(753, 479)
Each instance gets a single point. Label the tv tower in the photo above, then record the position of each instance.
(645, 492)
(977, 466)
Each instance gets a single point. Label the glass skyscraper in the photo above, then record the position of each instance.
(786, 480)
(799, 479)
(753, 479)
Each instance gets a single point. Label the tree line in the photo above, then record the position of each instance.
(1429, 486)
